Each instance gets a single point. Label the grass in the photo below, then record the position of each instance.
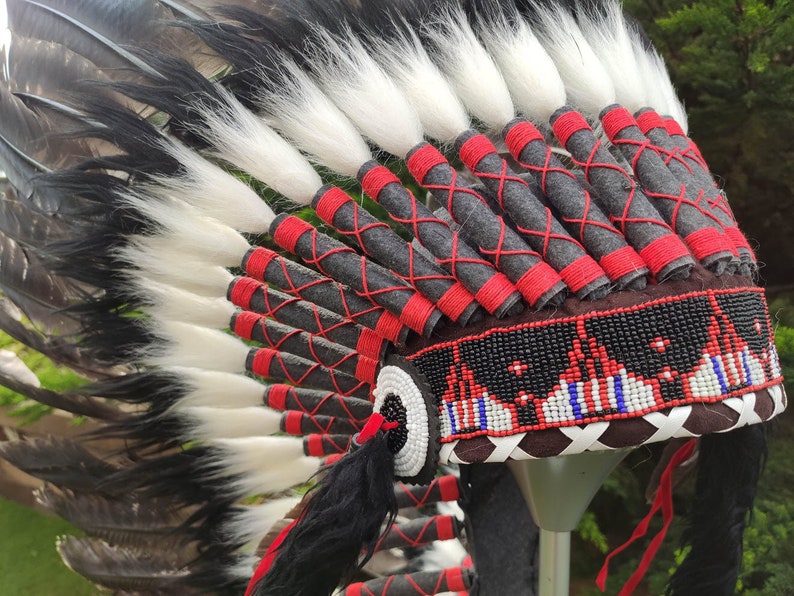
(29, 563)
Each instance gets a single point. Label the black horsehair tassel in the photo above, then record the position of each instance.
(344, 514)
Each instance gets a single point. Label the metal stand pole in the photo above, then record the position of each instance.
(558, 491)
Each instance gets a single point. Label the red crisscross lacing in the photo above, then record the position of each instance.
(337, 330)
(519, 137)
(282, 397)
(425, 159)
(449, 580)
(472, 152)
(616, 264)
(414, 535)
(650, 120)
(417, 309)
(269, 363)
(571, 122)
(333, 293)
(444, 489)
(706, 243)
(321, 445)
(295, 423)
(499, 287)
(246, 323)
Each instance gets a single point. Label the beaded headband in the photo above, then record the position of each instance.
(536, 262)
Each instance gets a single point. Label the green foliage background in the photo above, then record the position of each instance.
(733, 64)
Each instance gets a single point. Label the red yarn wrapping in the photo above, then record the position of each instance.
(708, 241)
(367, 370)
(621, 262)
(738, 239)
(568, 124)
(293, 423)
(663, 501)
(389, 327)
(244, 323)
(616, 120)
(649, 120)
(258, 260)
(277, 396)
(423, 160)
(581, 272)
(370, 344)
(662, 251)
(330, 202)
(242, 290)
(376, 180)
(521, 135)
(287, 234)
(494, 292)
(455, 301)
(321, 445)
(537, 282)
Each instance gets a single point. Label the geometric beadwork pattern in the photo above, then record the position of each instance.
(605, 365)
(677, 422)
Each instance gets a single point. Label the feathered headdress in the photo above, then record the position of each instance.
(337, 245)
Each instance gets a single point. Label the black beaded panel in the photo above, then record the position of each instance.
(698, 347)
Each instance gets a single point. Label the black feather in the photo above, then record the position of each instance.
(125, 521)
(729, 465)
(60, 461)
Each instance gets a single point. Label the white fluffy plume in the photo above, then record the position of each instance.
(209, 388)
(215, 192)
(245, 141)
(659, 89)
(405, 59)
(606, 30)
(167, 262)
(535, 85)
(206, 424)
(363, 91)
(263, 464)
(186, 228)
(253, 523)
(183, 344)
(472, 71)
(587, 84)
(302, 112)
(167, 303)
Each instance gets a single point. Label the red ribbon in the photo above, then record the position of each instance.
(270, 555)
(663, 501)
(375, 423)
